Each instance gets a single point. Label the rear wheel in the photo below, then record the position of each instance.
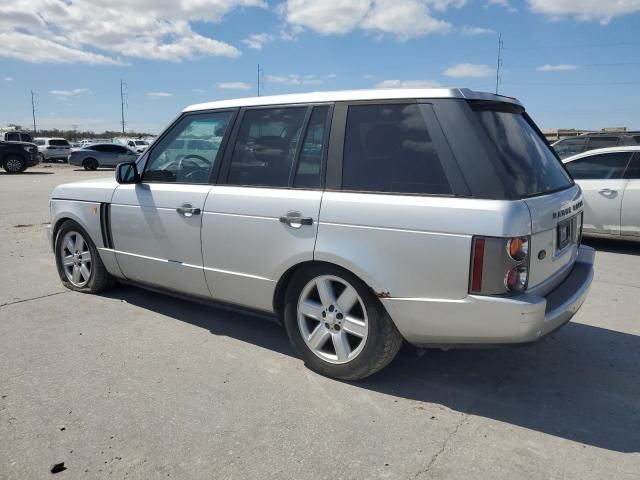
(338, 325)
(14, 164)
(41, 157)
(79, 265)
(90, 164)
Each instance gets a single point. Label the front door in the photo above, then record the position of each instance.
(601, 178)
(262, 218)
(156, 224)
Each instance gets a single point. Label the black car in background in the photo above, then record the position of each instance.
(590, 141)
(16, 157)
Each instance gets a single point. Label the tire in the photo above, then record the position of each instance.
(90, 164)
(372, 340)
(41, 157)
(98, 278)
(14, 164)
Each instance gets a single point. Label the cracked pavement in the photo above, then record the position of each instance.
(135, 384)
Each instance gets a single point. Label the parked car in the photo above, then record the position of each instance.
(137, 144)
(591, 141)
(97, 155)
(440, 217)
(16, 136)
(610, 182)
(91, 141)
(52, 149)
(16, 157)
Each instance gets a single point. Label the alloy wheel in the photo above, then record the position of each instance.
(332, 319)
(75, 257)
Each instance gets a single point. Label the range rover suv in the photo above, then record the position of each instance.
(361, 219)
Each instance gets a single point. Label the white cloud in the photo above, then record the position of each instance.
(69, 93)
(405, 19)
(257, 40)
(234, 86)
(368, 76)
(104, 31)
(408, 84)
(585, 10)
(198, 90)
(502, 3)
(8, 79)
(160, 94)
(562, 67)
(295, 79)
(471, 31)
(469, 70)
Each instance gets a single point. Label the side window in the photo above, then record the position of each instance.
(633, 170)
(266, 146)
(174, 159)
(40, 142)
(569, 146)
(13, 137)
(308, 173)
(602, 142)
(387, 148)
(99, 148)
(608, 166)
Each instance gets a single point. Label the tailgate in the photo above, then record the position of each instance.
(556, 225)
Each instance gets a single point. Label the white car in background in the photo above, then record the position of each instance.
(52, 149)
(610, 182)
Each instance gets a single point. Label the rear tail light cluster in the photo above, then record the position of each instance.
(499, 265)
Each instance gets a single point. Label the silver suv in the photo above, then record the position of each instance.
(360, 219)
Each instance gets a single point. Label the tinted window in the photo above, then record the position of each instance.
(40, 142)
(310, 162)
(532, 167)
(387, 148)
(99, 148)
(601, 167)
(25, 137)
(13, 137)
(266, 146)
(173, 159)
(637, 139)
(570, 146)
(59, 143)
(602, 142)
(633, 170)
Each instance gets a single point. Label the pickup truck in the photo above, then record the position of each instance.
(16, 157)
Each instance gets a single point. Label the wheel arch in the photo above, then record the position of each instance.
(285, 279)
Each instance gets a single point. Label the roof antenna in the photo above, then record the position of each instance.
(499, 64)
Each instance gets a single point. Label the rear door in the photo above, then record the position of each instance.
(156, 224)
(630, 217)
(262, 217)
(601, 178)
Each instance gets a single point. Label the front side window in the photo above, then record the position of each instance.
(570, 146)
(175, 160)
(387, 148)
(607, 166)
(266, 146)
(532, 167)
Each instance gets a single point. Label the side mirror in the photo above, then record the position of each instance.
(127, 173)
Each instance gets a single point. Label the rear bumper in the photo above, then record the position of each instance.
(493, 320)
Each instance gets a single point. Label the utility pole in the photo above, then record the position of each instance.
(123, 100)
(33, 111)
(499, 64)
(260, 73)
(75, 132)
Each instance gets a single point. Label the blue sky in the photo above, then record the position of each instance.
(573, 63)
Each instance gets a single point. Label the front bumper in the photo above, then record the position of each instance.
(485, 320)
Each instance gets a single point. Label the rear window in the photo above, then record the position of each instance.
(531, 165)
(59, 143)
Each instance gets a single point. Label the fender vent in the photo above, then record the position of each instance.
(105, 224)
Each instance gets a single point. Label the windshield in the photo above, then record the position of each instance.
(530, 163)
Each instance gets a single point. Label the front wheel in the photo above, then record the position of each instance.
(14, 164)
(338, 325)
(79, 265)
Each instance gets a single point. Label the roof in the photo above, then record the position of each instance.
(352, 95)
(588, 153)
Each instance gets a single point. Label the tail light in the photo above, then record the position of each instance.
(499, 265)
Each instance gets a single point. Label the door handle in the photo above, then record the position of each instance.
(607, 192)
(295, 220)
(187, 210)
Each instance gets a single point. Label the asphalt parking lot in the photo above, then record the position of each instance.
(134, 384)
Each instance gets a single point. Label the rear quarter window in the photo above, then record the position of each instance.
(532, 167)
